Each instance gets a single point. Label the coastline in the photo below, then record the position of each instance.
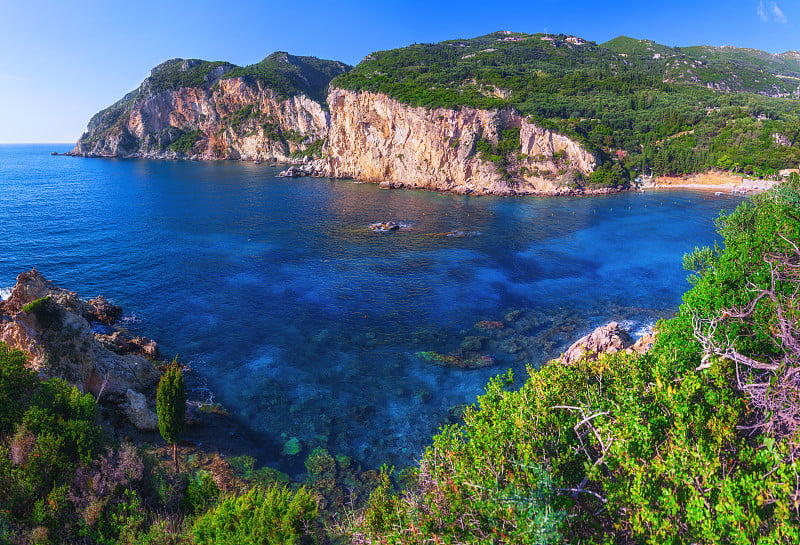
(711, 181)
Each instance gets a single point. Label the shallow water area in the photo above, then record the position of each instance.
(307, 323)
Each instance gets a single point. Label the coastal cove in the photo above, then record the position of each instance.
(306, 323)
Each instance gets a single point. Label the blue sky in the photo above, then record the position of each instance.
(60, 62)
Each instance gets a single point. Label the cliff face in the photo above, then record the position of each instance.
(235, 119)
(378, 139)
(191, 109)
(195, 109)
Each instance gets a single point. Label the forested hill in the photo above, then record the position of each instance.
(669, 110)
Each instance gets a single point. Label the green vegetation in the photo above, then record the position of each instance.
(313, 150)
(619, 96)
(694, 442)
(289, 75)
(177, 73)
(171, 407)
(260, 517)
(186, 142)
(43, 309)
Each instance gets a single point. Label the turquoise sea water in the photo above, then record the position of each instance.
(306, 323)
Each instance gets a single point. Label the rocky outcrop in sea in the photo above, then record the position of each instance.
(75, 340)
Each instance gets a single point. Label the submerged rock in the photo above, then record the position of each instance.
(487, 325)
(449, 360)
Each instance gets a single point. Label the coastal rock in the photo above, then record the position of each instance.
(607, 339)
(59, 341)
(385, 226)
(102, 311)
(375, 138)
(237, 118)
(363, 135)
(644, 343)
(121, 343)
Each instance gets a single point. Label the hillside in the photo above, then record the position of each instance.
(659, 108)
(617, 110)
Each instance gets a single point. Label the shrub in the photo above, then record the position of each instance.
(478, 483)
(273, 516)
(16, 387)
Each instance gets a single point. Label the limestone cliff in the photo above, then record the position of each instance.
(278, 111)
(375, 138)
(200, 110)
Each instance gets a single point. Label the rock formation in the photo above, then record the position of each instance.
(351, 134)
(607, 339)
(52, 326)
(192, 109)
(375, 138)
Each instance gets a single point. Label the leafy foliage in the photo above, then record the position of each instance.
(186, 141)
(177, 73)
(171, 406)
(289, 75)
(260, 517)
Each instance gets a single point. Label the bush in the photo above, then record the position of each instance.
(274, 516)
(478, 483)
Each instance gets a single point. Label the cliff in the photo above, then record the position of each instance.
(210, 110)
(378, 139)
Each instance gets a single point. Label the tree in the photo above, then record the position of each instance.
(171, 407)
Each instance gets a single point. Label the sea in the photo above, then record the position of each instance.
(309, 322)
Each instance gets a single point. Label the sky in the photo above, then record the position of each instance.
(61, 62)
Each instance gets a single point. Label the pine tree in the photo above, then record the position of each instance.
(171, 407)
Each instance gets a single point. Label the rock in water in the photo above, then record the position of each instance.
(607, 339)
(102, 311)
(56, 335)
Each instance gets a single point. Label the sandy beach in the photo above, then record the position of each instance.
(711, 181)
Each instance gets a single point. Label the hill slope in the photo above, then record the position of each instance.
(659, 108)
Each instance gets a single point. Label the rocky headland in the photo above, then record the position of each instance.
(59, 333)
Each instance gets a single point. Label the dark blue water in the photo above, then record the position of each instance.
(303, 321)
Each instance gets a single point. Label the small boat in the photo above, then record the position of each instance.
(718, 194)
(256, 162)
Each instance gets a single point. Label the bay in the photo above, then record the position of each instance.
(306, 323)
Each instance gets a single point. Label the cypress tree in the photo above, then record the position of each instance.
(171, 407)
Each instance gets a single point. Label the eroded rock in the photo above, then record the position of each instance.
(59, 341)
(607, 339)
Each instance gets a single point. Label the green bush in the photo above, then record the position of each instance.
(185, 143)
(17, 384)
(478, 483)
(44, 310)
(275, 516)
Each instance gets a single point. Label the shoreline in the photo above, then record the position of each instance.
(708, 181)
